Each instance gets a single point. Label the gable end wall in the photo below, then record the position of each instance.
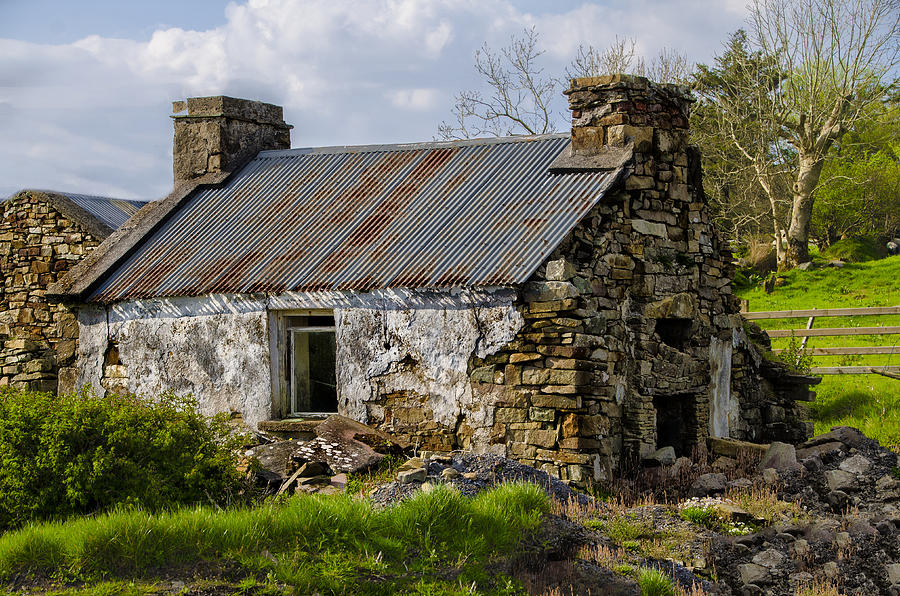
(37, 245)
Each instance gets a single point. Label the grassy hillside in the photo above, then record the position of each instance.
(868, 402)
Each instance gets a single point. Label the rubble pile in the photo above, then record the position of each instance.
(840, 526)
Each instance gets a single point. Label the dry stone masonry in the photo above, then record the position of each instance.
(632, 339)
(37, 245)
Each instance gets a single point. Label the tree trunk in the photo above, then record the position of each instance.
(801, 210)
(764, 182)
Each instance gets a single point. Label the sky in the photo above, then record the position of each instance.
(86, 87)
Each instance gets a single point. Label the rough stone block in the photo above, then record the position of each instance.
(516, 358)
(649, 228)
(508, 415)
(541, 438)
(556, 401)
(640, 182)
(567, 377)
(560, 270)
(549, 291)
(579, 443)
(535, 376)
(620, 135)
(542, 414)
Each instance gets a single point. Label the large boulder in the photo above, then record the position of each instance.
(781, 457)
(276, 458)
(847, 435)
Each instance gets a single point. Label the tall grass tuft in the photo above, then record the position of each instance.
(336, 544)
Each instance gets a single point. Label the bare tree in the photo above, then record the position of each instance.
(837, 57)
(734, 125)
(668, 66)
(520, 96)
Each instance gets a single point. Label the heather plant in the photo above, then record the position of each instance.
(79, 453)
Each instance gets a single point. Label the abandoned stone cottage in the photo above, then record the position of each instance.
(560, 299)
(42, 234)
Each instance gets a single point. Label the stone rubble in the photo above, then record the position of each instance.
(847, 533)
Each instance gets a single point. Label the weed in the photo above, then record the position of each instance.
(818, 588)
(763, 503)
(358, 483)
(654, 582)
(796, 357)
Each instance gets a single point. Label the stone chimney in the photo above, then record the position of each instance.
(614, 113)
(615, 110)
(220, 133)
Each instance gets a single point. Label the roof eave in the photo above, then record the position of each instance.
(84, 276)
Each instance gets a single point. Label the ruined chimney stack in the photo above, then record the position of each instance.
(219, 133)
(615, 110)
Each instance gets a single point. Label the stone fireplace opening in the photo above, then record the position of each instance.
(675, 332)
(676, 422)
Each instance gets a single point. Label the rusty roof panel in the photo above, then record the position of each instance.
(429, 215)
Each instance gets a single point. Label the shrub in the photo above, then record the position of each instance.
(856, 250)
(78, 453)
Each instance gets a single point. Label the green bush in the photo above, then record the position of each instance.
(76, 454)
(856, 250)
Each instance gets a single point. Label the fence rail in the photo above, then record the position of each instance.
(821, 312)
(808, 331)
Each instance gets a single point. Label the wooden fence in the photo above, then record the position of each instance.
(889, 371)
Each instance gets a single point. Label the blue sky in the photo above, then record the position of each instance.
(85, 87)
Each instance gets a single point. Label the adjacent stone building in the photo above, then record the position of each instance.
(561, 299)
(42, 234)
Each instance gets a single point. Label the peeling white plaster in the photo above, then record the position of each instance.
(217, 347)
(213, 347)
(423, 349)
(724, 409)
(93, 337)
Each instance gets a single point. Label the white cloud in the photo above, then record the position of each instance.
(93, 113)
(414, 99)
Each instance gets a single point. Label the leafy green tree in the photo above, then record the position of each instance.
(784, 93)
(839, 58)
(746, 168)
(860, 190)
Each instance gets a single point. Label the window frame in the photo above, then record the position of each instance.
(282, 358)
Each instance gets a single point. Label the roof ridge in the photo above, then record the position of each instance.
(417, 146)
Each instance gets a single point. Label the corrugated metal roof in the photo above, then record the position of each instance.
(112, 212)
(476, 213)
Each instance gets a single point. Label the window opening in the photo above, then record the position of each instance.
(312, 364)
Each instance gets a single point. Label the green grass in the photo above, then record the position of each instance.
(654, 582)
(868, 402)
(856, 250)
(432, 543)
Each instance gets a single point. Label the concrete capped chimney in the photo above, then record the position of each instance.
(615, 110)
(220, 133)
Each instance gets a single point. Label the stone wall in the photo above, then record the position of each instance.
(213, 348)
(632, 339)
(37, 245)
